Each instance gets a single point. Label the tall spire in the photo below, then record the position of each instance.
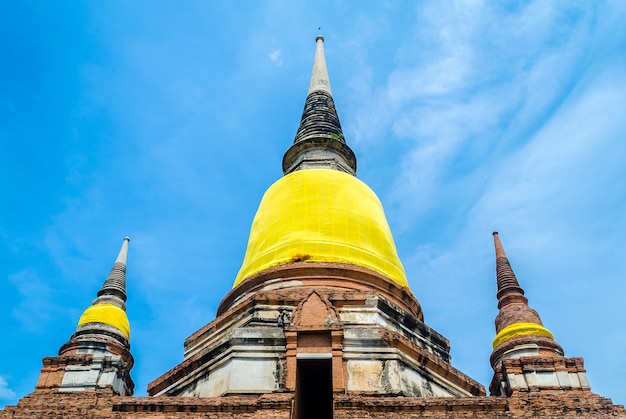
(525, 355)
(319, 142)
(513, 305)
(115, 283)
(108, 311)
(509, 290)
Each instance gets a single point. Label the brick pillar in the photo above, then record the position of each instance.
(336, 338)
(291, 337)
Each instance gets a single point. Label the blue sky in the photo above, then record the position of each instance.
(166, 121)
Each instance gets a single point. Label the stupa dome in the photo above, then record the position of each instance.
(321, 215)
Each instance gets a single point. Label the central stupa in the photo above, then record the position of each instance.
(321, 304)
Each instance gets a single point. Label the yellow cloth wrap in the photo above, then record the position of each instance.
(321, 215)
(107, 314)
(520, 329)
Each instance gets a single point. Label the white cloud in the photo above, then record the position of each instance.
(276, 57)
(567, 178)
(5, 392)
(486, 81)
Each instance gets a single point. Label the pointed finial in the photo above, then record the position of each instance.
(499, 250)
(115, 283)
(319, 76)
(509, 289)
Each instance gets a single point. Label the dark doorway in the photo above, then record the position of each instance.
(314, 389)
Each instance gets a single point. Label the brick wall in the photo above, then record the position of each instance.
(96, 405)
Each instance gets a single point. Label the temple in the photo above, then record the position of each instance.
(320, 323)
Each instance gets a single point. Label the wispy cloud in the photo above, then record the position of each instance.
(5, 392)
(276, 56)
(477, 86)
